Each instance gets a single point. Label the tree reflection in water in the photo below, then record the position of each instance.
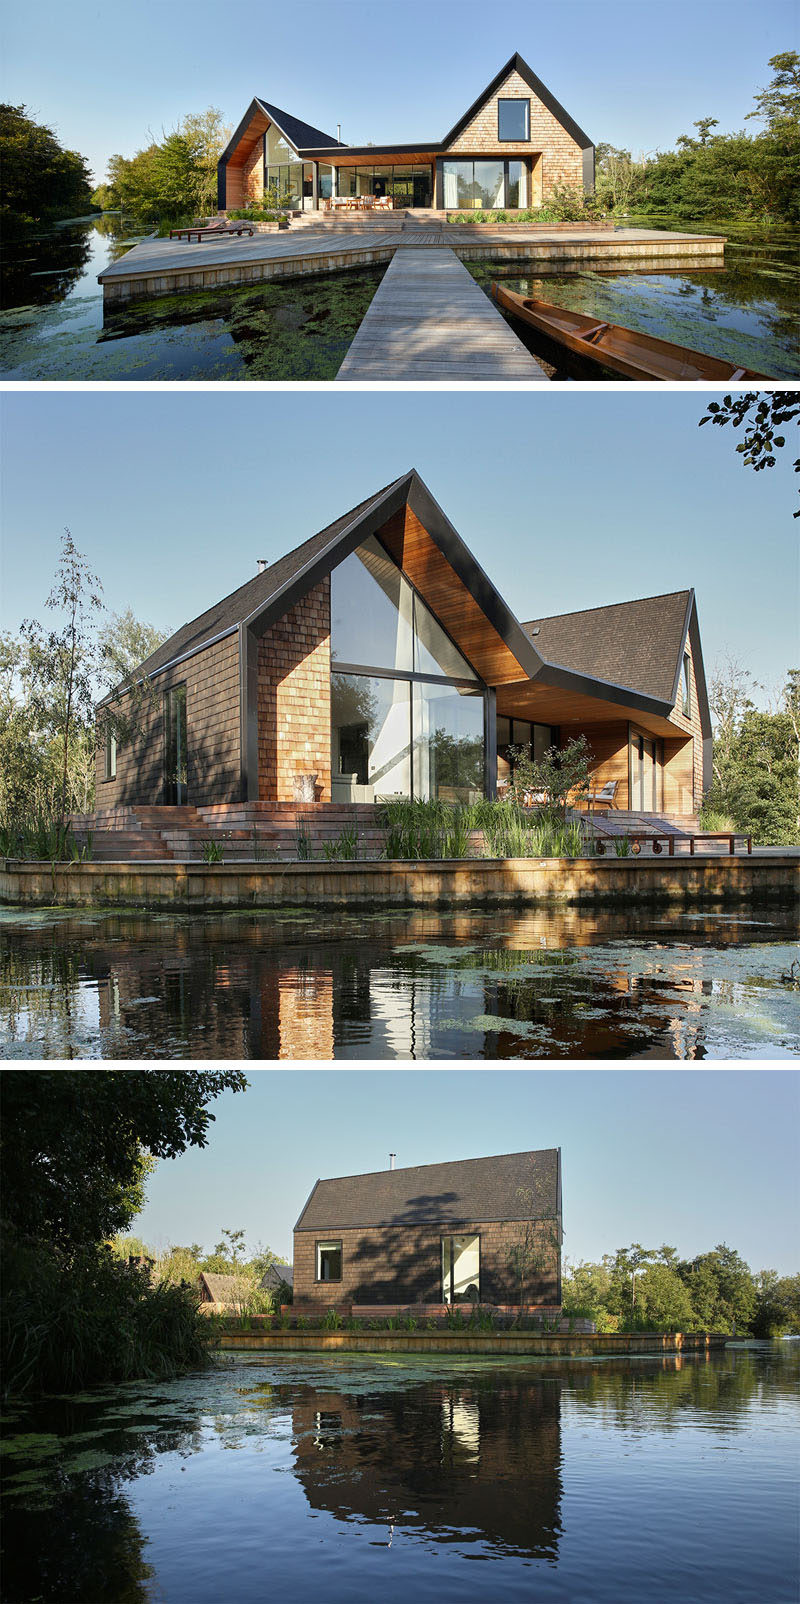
(463, 1458)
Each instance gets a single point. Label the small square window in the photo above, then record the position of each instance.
(513, 120)
(329, 1261)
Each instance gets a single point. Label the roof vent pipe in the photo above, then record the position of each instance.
(392, 1157)
(338, 133)
(262, 563)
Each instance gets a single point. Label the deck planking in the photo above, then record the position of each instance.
(430, 320)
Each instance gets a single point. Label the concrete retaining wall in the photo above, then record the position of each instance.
(500, 1344)
(692, 881)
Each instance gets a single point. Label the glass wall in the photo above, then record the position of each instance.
(370, 737)
(482, 185)
(283, 172)
(325, 179)
(406, 185)
(407, 709)
(447, 725)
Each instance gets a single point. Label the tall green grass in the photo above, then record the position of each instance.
(41, 837)
(435, 830)
(70, 1322)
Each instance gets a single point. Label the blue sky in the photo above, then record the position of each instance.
(690, 1157)
(568, 500)
(632, 73)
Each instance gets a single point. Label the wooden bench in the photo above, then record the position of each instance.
(638, 838)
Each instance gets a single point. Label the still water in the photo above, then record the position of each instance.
(294, 984)
(52, 325)
(747, 312)
(360, 1477)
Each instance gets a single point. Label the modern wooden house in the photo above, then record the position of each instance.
(508, 150)
(433, 1235)
(378, 659)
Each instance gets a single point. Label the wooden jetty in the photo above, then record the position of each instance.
(430, 320)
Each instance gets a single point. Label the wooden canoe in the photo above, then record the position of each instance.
(638, 356)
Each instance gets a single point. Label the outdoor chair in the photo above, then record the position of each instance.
(605, 796)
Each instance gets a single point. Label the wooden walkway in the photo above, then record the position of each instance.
(430, 320)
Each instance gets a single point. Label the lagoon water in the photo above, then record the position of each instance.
(316, 985)
(364, 1477)
(52, 325)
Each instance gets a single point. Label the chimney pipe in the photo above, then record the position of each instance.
(392, 1157)
(262, 563)
(338, 133)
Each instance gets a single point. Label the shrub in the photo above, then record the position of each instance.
(69, 1321)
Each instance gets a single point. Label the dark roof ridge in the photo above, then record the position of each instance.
(635, 601)
(434, 1164)
(291, 125)
(150, 665)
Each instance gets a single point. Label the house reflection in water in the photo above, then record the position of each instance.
(477, 1462)
(412, 985)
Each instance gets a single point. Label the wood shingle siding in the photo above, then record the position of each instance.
(294, 698)
(211, 677)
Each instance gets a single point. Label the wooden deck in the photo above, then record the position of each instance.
(430, 320)
(162, 267)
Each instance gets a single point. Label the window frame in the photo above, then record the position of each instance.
(686, 686)
(327, 1244)
(514, 139)
(110, 755)
(449, 1236)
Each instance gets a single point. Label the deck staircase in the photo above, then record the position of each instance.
(270, 832)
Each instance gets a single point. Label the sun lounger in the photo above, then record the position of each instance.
(198, 230)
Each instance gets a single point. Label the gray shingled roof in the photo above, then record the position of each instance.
(277, 1273)
(254, 594)
(636, 643)
(474, 1189)
(301, 135)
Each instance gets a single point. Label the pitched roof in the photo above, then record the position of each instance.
(222, 1288)
(275, 1273)
(471, 1190)
(309, 141)
(255, 593)
(637, 644)
(301, 135)
(517, 64)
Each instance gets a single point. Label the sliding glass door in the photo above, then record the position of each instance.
(645, 772)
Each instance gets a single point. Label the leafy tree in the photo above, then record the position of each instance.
(779, 103)
(62, 662)
(38, 177)
(174, 178)
(664, 1303)
(560, 776)
(76, 1143)
(761, 413)
(756, 772)
(721, 1288)
(777, 1309)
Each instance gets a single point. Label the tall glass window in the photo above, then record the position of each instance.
(176, 757)
(370, 737)
(517, 185)
(448, 742)
(461, 1269)
(490, 184)
(325, 180)
(407, 709)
